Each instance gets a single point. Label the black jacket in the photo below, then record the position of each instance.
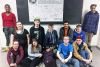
(41, 34)
(61, 33)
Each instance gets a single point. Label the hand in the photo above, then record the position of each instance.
(12, 64)
(86, 61)
(40, 55)
(15, 65)
(63, 61)
(66, 60)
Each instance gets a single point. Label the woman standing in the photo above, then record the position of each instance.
(9, 23)
(22, 36)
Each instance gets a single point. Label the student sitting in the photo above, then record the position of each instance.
(34, 55)
(81, 52)
(15, 54)
(51, 36)
(66, 30)
(78, 32)
(64, 54)
(48, 57)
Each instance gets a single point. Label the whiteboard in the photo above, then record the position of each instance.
(46, 10)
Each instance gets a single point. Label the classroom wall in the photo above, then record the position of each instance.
(86, 4)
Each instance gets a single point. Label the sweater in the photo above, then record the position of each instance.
(33, 54)
(9, 21)
(19, 53)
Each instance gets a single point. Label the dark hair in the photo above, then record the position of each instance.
(15, 40)
(78, 25)
(34, 40)
(66, 21)
(16, 25)
(7, 5)
(50, 24)
(93, 5)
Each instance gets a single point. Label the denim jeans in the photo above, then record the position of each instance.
(85, 55)
(8, 31)
(71, 61)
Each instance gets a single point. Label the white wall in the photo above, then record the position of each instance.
(57, 27)
(86, 8)
(14, 10)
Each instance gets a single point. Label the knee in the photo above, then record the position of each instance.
(76, 61)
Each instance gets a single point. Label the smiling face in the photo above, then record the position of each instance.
(66, 39)
(66, 25)
(34, 43)
(7, 8)
(78, 29)
(78, 41)
(19, 25)
(37, 23)
(93, 8)
(15, 45)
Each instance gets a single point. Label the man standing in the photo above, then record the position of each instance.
(90, 23)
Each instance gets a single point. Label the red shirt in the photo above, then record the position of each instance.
(65, 31)
(9, 21)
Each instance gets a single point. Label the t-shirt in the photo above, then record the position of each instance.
(65, 50)
(22, 38)
(36, 33)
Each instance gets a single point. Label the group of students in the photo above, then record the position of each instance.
(29, 49)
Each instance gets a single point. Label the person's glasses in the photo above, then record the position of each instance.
(78, 40)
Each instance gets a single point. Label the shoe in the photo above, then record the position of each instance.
(90, 66)
(5, 49)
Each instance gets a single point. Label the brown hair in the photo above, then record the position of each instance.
(19, 22)
(15, 40)
(50, 24)
(34, 40)
(78, 25)
(7, 5)
(93, 5)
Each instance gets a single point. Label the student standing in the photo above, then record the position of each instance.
(9, 23)
(90, 24)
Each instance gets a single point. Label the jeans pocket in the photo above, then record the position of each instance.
(5, 29)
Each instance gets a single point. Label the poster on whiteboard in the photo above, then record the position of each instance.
(46, 10)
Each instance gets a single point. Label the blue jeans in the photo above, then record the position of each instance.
(8, 31)
(85, 55)
(71, 61)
